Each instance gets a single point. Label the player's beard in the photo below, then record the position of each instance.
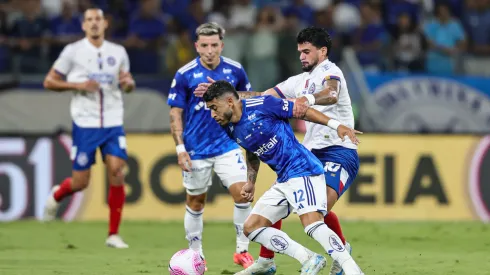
(227, 116)
(309, 67)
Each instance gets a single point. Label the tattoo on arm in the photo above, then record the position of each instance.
(176, 126)
(245, 95)
(253, 165)
(330, 95)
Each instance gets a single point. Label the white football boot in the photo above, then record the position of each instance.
(51, 206)
(115, 241)
(314, 265)
(336, 268)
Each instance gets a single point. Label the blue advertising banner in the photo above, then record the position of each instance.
(424, 103)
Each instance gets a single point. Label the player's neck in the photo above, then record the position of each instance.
(320, 61)
(96, 42)
(237, 112)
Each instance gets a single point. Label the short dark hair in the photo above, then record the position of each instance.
(316, 36)
(211, 28)
(218, 89)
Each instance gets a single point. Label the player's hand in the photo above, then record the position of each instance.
(344, 131)
(301, 105)
(185, 161)
(126, 81)
(203, 87)
(91, 86)
(248, 191)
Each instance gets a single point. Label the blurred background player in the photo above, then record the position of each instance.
(322, 86)
(261, 126)
(95, 70)
(203, 146)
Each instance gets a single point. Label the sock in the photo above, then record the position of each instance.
(334, 247)
(333, 223)
(116, 202)
(64, 190)
(240, 214)
(264, 252)
(279, 242)
(193, 225)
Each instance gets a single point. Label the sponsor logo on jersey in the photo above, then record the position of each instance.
(226, 71)
(198, 75)
(266, 147)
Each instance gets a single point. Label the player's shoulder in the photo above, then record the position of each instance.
(188, 67)
(330, 68)
(260, 101)
(115, 46)
(74, 46)
(231, 63)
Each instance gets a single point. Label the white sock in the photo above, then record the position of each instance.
(265, 260)
(240, 214)
(193, 225)
(333, 245)
(279, 242)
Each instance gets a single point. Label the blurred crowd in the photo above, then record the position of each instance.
(432, 36)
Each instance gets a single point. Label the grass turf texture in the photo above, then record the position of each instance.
(30, 247)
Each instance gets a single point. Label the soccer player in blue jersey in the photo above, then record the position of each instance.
(260, 125)
(195, 144)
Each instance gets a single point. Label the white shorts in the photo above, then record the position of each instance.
(230, 168)
(300, 195)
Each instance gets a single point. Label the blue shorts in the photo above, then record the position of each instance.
(340, 165)
(111, 141)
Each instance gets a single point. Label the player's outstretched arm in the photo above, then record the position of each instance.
(203, 87)
(253, 165)
(55, 82)
(301, 111)
(328, 96)
(177, 129)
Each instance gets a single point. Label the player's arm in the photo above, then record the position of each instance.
(55, 79)
(253, 165)
(126, 80)
(302, 111)
(328, 96)
(245, 95)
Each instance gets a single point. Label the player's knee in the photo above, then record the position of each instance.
(79, 184)
(196, 203)
(332, 197)
(116, 172)
(253, 223)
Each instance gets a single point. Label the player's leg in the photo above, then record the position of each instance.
(232, 170)
(196, 184)
(115, 156)
(270, 208)
(84, 146)
(341, 166)
(310, 201)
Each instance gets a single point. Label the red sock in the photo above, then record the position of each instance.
(333, 223)
(266, 253)
(64, 190)
(116, 201)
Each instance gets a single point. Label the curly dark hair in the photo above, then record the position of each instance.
(316, 36)
(218, 89)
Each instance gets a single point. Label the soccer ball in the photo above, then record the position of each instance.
(186, 262)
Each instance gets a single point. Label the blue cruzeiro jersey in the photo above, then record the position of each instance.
(264, 130)
(201, 130)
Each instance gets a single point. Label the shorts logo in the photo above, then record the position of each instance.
(111, 61)
(332, 167)
(336, 244)
(82, 159)
(279, 243)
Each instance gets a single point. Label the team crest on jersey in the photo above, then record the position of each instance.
(111, 61)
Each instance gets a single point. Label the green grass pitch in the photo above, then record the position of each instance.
(407, 248)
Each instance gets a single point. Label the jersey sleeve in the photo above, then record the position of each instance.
(285, 89)
(125, 65)
(243, 82)
(334, 74)
(276, 107)
(177, 96)
(64, 63)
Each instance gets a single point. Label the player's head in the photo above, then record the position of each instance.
(314, 43)
(94, 23)
(209, 43)
(221, 98)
